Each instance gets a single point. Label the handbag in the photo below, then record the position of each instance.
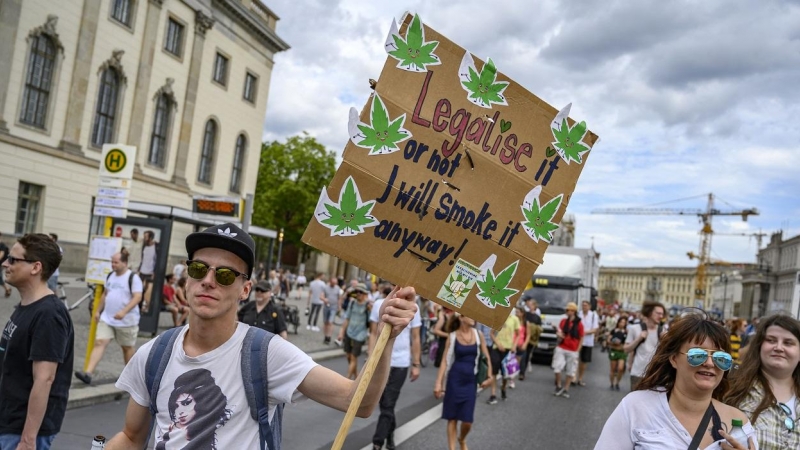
(483, 369)
(511, 365)
(701, 429)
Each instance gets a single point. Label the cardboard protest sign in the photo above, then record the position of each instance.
(454, 177)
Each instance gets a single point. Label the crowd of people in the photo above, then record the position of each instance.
(695, 382)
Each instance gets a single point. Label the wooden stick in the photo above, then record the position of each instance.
(361, 389)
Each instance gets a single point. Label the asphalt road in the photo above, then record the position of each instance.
(531, 418)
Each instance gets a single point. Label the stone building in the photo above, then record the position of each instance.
(185, 81)
(672, 286)
(770, 286)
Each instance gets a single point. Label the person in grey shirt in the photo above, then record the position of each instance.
(315, 293)
(331, 295)
(147, 267)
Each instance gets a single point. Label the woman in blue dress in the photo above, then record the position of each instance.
(460, 368)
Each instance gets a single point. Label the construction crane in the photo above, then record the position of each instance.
(706, 232)
(759, 237)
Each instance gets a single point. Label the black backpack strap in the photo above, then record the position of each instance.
(256, 387)
(701, 429)
(154, 368)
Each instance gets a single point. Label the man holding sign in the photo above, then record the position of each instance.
(220, 261)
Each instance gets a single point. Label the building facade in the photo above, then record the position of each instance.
(770, 286)
(185, 81)
(673, 287)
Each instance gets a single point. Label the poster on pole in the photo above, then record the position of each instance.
(454, 177)
(101, 249)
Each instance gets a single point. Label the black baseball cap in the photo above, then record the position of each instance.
(226, 237)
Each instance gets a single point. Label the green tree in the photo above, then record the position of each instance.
(291, 175)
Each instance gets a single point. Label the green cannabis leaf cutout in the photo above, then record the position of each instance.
(413, 53)
(539, 219)
(568, 141)
(350, 216)
(381, 136)
(494, 291)
(482, 87)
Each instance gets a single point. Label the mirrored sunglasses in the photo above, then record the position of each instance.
(224, 276)
(788, 422)
(697, 356)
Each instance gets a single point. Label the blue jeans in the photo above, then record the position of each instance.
(10, 441)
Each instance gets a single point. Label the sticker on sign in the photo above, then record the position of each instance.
(111, 202)
(110, 212)
(112, 192)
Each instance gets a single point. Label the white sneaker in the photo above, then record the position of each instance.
(315, 329)
(308, 327)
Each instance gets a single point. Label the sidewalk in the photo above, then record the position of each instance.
(102, 388)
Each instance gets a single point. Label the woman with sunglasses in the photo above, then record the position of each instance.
(677, 403)
(767, 383)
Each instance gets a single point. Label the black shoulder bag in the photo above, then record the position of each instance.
(701, 429)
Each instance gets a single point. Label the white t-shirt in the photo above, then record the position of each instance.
(316, 288)
(178, 271)
(643, 420)
(148, 260)
(645, 351)
(401, 352)
(118, 296)
(590, 322)
(218, 371)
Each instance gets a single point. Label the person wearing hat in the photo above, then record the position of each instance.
(220, 261)
(263, 313)
(565, 357)
(356, 328)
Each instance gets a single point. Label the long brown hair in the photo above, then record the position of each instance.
(750, 369)
(691, 328)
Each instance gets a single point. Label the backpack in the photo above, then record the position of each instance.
(130, 280)
(254, 377)
(658, 335)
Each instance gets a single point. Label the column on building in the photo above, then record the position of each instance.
(9, 22)
(202, 24)
(144, 73)
(80, 77)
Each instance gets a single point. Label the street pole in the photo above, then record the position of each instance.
(280, 250)
(724, 278)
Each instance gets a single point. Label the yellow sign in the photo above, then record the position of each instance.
(115, 160)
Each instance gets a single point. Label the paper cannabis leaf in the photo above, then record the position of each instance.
(381, 136)
(539, 219)
(494, 291)
(413, 53)
(456, 287)
(569, 141)
(482, 88)
(350, 216)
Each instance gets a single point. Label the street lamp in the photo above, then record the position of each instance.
(280, 249)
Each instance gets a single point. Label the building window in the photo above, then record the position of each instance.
(28, 202)
(158, 139)
(250, 85)
(38, 81)
(207, 153)
(121, 11)
(221, 69)
(174, 41)
(238, 163)
(106, 111)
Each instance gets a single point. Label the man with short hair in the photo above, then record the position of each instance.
(206, 355)
(406, 352)
(3, 256)
(263, 313)
(117, 315)
(643, 339)
(330, 296)
(591, 323)
(36, 349)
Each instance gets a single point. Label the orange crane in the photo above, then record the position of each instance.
(706, 232)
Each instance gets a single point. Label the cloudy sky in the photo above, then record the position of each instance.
(687, 97)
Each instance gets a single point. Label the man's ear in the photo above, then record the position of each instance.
(248, 286)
